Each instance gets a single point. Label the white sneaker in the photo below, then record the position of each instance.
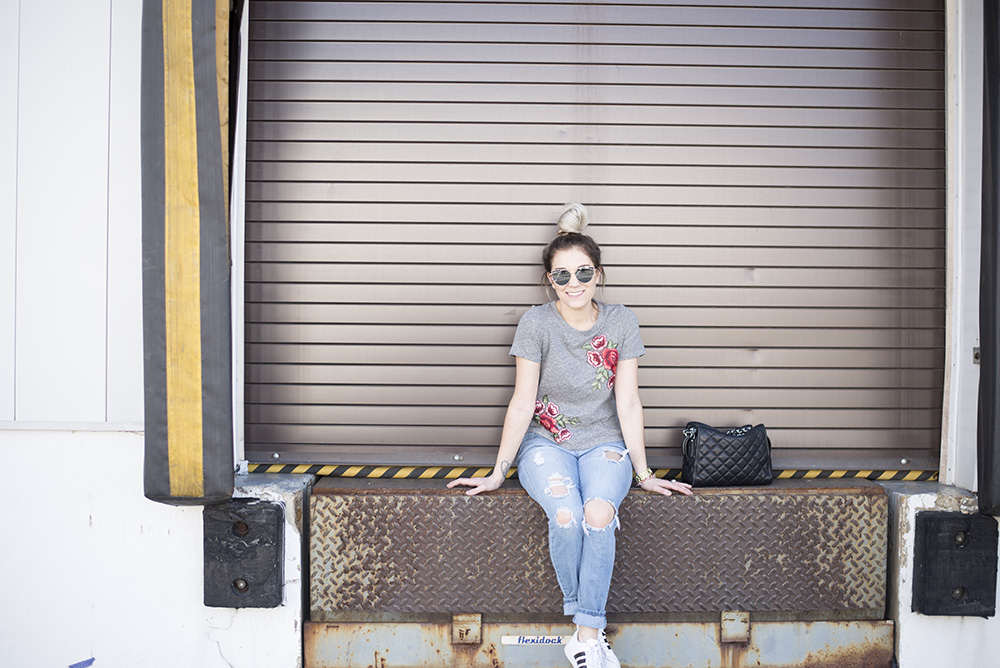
(584, 654)
(610, 660)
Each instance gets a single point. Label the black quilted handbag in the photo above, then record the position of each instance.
(714, 458)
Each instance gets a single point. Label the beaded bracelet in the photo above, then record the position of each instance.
(644, 475)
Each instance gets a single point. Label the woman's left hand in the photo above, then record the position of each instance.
(665, 487)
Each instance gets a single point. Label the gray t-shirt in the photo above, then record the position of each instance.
(575, 406)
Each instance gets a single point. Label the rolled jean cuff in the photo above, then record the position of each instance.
(569, 608)
(591, 620)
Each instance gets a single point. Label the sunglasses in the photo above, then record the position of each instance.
(583, 274)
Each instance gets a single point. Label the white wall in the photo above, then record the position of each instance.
(124, 272)
(964, 184)
(91, 568)
(62, 204)
(9, 13)
(71, 338)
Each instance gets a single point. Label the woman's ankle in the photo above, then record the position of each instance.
(586, 633)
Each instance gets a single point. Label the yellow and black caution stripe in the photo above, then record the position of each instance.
(398, 472)
(867, 474)
(451, 472)
(185, 258)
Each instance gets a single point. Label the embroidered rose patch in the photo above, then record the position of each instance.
(602, 354)
(547, 414)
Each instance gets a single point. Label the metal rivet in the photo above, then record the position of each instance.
(961, 538)
(276, 456)
(458, 458)
(958, 592)
(241, 585)
(241, 528)
(904, 461)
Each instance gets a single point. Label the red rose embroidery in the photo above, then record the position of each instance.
(547, 414)
(602, 354)
(610, 359)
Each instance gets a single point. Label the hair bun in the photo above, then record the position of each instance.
(573, 219)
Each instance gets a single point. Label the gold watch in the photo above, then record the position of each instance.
(644, 475)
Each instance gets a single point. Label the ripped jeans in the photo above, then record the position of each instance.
(562, 482)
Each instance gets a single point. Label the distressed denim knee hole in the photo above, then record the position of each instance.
(599, 514)
(558, 486)
(614, 456)
(564, 518)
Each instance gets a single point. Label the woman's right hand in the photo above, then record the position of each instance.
(478, 485)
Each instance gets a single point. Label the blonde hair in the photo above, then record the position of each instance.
(573, 219)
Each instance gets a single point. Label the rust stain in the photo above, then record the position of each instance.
(869, 655)
(798, 645)
(491, 652)
(465, 655)
(733, 654)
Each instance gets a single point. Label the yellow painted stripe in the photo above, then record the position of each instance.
(403, 472)
(222, 87)
(182, 255)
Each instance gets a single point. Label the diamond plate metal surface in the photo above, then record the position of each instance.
(413, 547)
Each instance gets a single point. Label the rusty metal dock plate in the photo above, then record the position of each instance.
(792, 550)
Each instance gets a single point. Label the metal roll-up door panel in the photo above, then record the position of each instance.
(767, 184)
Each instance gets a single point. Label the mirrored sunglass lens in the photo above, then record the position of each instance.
(560, 276)
(584, 274)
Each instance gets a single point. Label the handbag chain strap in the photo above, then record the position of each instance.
(689, 434)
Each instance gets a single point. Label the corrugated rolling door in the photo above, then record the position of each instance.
(767, 183)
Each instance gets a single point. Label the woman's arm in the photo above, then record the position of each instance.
(630, 416)
(520, 410)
